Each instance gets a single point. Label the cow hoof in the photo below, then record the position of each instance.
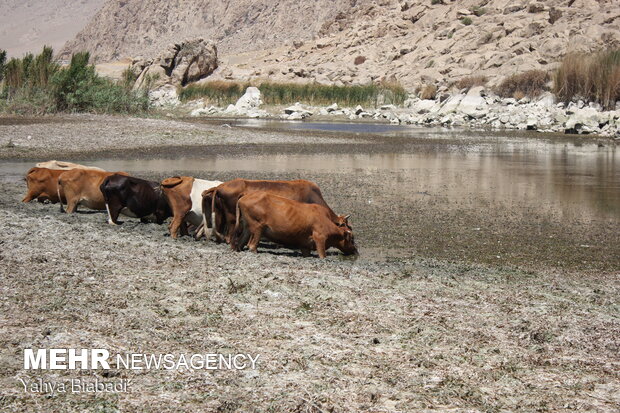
(112, 222)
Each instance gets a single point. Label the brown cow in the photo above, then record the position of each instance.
(43, 185)
(225, 196)
(184, 195)
(290, 223)
(81, 187)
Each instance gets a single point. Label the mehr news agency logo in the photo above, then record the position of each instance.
(101, 359)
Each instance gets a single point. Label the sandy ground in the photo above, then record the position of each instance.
(392, 331)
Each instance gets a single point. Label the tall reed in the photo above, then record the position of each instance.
(225, 92)
(594, 77)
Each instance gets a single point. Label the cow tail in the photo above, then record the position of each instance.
(238, 232)
(58, 185)
(214, 215)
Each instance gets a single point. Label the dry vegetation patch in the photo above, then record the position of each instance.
(593, 77)
(334, 335)
(531, 84)
(471, 81)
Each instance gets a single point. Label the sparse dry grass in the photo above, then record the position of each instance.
(531, 84)
(333, 335)
(428, 92)
(471, 81)
(593, 77)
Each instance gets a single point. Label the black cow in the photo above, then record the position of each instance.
(135, 198)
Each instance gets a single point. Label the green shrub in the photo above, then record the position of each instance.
(36, 84)
(2, 63)
(594, 77)
(222, 92)
(531, 83)
(466, 21)
(478, 11)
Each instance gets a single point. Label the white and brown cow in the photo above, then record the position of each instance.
(184, 194)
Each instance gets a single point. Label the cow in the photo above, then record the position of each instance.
(184, 195)
(43, 185)
(81, 187)
(291, 223)
(224, 199)
(65, 165)
(134, 197)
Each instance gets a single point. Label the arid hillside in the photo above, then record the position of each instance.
(27, 25)
(135, 27)
(352, 41)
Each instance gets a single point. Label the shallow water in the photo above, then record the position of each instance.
(495, 197)
(566, 177)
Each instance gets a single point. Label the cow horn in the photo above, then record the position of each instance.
(347, 216)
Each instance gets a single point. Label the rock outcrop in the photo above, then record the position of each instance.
(179, 64)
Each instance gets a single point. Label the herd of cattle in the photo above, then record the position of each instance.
(240, 212)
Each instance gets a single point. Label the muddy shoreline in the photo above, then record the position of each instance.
(427, 319)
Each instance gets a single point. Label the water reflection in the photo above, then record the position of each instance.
(568, 181)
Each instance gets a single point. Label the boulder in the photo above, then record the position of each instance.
(250, 99)
(451, 104)
(297, 108)
(424, 106)
(178, 65)
(332, 108)
(473, 104)
(164, 96)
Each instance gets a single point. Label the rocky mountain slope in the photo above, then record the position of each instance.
(136, 27)
(27, 25)
(349, 41)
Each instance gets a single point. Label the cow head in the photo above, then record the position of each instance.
(343, 222)
(347, 244)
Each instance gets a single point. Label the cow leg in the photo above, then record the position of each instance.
(72, 205)
(320, 246)
(113, 212)
(29, 197)
(184, 230)
(200, 232)
(305, 252)
(175, 225)
(255, 239)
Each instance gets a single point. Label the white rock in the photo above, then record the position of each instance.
(547, 100)
(451, 104)
(297, 108)
(331, 108)
(250, 99)
(199, 112)
(295, 116)
(473, 104)
(425, 106)
(165, 96)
